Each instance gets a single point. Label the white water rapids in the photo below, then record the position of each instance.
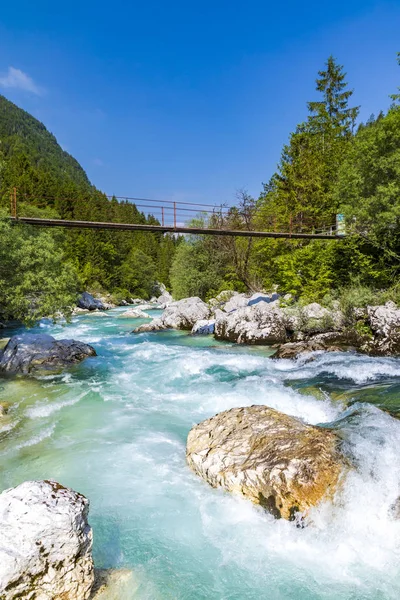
(115, 427)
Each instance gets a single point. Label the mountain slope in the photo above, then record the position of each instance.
(50, 180)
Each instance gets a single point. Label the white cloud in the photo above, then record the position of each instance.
(98, 162)
(17, 79)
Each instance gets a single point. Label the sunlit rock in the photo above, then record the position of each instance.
(235, 302)
(260, 297)
(384, 322)
(30, 353)
(3, 343)
(271, 458)
(154, 325)
(113, 584)
(135, 313)
(204, 327)
(46, 543)
(294, 349)
(182, 314)
(4, 406)
(259, 324)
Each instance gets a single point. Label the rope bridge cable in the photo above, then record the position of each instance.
(184, 218)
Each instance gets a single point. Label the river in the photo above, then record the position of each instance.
(115, 427)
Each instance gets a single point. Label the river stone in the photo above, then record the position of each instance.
(182, 314)
(135, 313)
(154, 325)
(259, 324)
(46, 543)
(88, 302)
(294, 349)
(271, 458)
(30, 353)
(113, 584)
(204, 327)
(3, 343)
(4, 406)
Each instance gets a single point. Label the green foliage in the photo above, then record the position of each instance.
(369, 186)
(363, 330)
(34, 280)
(194, 273)
(138, 272)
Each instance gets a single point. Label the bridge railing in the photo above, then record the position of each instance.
(173, 214)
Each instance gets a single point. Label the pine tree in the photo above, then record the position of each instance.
(333, 112)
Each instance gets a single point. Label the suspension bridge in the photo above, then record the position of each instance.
(187, 218)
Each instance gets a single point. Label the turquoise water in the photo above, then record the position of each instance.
(115, 427)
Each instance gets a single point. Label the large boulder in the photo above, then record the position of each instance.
(29, 353)
(271, 458)
(259, 324)
(88, 302)
(46, 543)
(384, 322)
(182, 314)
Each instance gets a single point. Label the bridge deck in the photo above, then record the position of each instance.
(171, 229)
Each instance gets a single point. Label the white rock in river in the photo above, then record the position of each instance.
(271, 458)
(135, 313)
(182, 314)
(204, 327)
(259, 324)
(237, 301)
(45, 543)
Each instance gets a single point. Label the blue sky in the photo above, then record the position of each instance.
(188, 100)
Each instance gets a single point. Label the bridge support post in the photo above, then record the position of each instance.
(175, 214)
(13, 203)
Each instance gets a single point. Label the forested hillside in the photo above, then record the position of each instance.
(51, 182)
(330, 165)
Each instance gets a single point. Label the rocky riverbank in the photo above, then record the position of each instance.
(292, 328)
